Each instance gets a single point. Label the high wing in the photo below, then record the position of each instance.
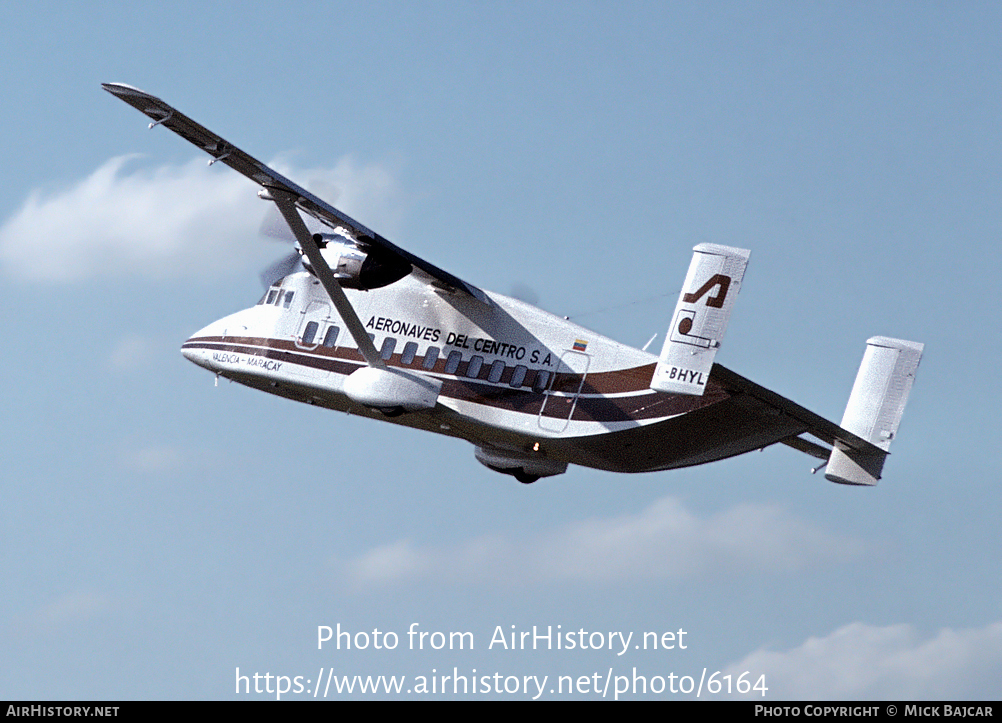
(224, 152)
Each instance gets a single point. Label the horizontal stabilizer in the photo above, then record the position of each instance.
(700, 319)
(875, 407)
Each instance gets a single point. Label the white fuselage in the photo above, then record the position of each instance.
(513, 376)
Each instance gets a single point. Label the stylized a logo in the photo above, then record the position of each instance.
(717, 300)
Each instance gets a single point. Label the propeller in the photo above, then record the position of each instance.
(290, 263)
(274, 226)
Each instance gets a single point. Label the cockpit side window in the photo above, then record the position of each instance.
(272, 293)
(288, 299)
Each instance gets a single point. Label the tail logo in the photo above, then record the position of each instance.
(717, 300)
(685, 318)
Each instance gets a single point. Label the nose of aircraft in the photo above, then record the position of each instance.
(194, 348)
(192, 355)
(210, 346)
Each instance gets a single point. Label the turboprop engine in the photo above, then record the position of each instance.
(358, 267)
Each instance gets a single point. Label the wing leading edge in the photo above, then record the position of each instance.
(224, 152)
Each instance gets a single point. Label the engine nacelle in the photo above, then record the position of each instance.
(357, 267)
(523, 467)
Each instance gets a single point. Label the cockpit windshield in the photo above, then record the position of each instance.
(276, 297)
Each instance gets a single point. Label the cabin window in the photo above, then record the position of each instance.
(539, 383)
(430, 357)
(410, 349)
(330, 338)
(310, 333)
(497, 369)
(389, 344)
(473, 368)
(452, 363)
(518, 376)
(288, 298)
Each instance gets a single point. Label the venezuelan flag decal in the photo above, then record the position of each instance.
(580, 345)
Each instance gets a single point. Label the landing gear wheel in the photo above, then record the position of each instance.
(526, 479)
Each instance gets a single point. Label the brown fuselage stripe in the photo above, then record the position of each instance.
(643, 404)
(618, 381)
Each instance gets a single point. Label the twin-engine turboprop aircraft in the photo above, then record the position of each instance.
(368, 328)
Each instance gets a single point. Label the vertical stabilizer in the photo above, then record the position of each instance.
(875, 407)
(700, 319)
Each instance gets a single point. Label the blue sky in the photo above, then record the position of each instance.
(159, 533)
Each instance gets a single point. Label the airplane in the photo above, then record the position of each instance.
(351, 322)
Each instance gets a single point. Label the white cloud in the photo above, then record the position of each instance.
(168, 221)
(665, 541)
(130, 352)
(68, 610)
(860, 661)
(152, 459)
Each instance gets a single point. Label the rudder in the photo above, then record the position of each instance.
(875, 407)
(700, 319)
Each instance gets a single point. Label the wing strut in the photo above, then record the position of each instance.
(286, 203)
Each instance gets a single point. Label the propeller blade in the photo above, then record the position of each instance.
(281, 268)
(274, 225)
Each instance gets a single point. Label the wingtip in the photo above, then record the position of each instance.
(123, 89)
